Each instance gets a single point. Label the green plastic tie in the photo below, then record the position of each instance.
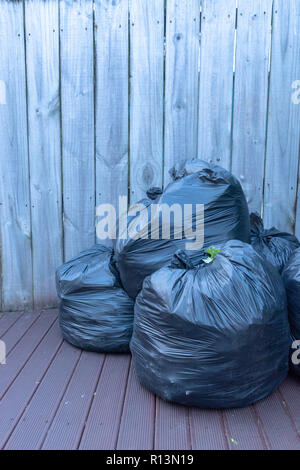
(212, 251)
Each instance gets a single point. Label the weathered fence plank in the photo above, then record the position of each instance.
(42, 62)
(111, 35)
(283, 118)
(77, 118)
(297, 223)
(251, 97)
(216, 81)
(146, 95)
(14, 171)
(181, 82)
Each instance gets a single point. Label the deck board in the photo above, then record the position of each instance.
(207, 430)
(55, 396)
(172, 427)
(21, 353)
(137, 422)
(69, 422)
(23, 387)
(17, 330)
(244, 430)
(8, 319)
(34, 424)
(290, 392)
(102, 427)
(279, 429)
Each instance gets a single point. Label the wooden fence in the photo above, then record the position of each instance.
(99, 99)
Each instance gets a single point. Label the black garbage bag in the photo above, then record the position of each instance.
(215, 334)
(225, 217)
(291, 278)
(273, 245)
(95, 312)
(152, 194)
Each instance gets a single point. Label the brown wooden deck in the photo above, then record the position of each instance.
(54, 396)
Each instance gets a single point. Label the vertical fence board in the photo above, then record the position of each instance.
(146, 95)
(297, 222)
(111, 34)
(284, 118)
(216, 81)
(77, 115)
(181, 82)
(42, 54)
(14, 172)
(251, 96)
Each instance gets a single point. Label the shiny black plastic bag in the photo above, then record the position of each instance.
(226, 217)
(273, 245)
(95, 312)
(213, 335)
(291, 278)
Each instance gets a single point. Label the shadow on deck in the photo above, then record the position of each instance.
(54, 396)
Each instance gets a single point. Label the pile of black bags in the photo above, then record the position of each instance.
(212, 334)
(210, 325)
(291, 277)
(225, 218)
(273, 245)
(95, 312)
